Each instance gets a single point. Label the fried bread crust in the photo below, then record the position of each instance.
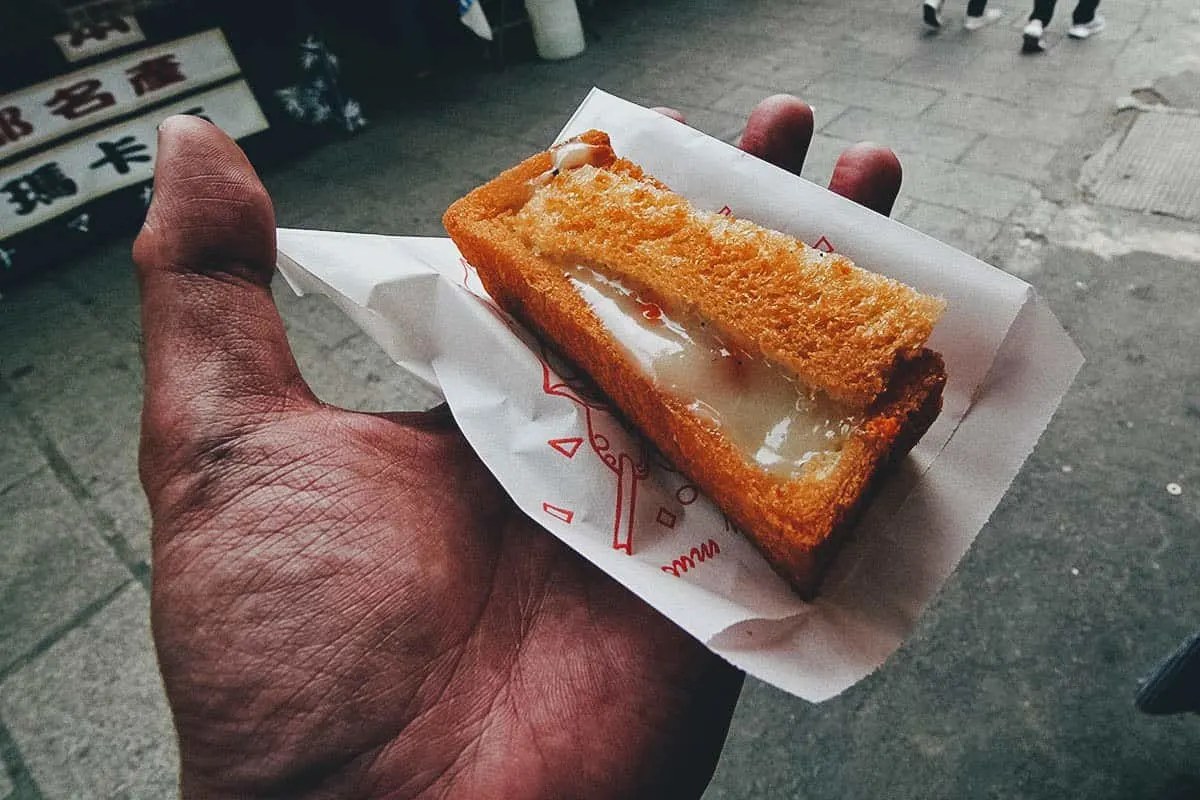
(797, 523)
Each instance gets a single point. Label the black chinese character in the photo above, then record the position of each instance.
(12, 127)
(98, 31)
(81, 98)
(155, 73)
(44, 185)
(120, 154)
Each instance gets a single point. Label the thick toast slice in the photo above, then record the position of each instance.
(850, 337)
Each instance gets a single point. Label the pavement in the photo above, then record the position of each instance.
(1019, 679)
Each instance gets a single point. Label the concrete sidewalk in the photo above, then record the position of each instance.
(1018, 682)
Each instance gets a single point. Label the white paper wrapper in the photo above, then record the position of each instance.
(572, 468)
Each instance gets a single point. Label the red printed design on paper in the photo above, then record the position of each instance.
(561, 379)
(558, 512)
(568, 446)
(666, 518)
(823, 244)
(629, 469)
(692, 558)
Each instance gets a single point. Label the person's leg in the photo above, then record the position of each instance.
(1085, 12)
(978, 15)
(1085, 21)
(1043, 10)
(1031, 37)
(931, 11)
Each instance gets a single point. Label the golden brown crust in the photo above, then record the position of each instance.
(797, 523)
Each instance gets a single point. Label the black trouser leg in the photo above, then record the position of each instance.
(975, 8)
(1043, 10)
(1085, 12)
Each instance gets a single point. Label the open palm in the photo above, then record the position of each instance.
(348, 604)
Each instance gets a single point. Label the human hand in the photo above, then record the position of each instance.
(348, 604)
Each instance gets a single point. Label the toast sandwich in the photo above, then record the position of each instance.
(781, 379)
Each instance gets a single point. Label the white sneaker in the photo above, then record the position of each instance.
(986, 18)
(1086, 29)
(1032, 37)
(933, 13)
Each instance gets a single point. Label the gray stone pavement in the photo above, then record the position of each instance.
(1018, 682)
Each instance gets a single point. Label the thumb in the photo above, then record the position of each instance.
(215, 349)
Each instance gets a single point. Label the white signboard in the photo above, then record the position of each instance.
(38, 114)
(47, 185)
(101, 37)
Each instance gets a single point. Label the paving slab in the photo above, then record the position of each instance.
(90, 715)
(878, 95)
(1155, 168)
(682, 83)
(317, 317)
(907, 137)
(105, 285)
(969, 190)
(357, 375)
(986, 115)
(97, 439)
(803, 63)
(760, 67)
(907, 42)
(970, 233)
(20, 456)
(1026, 160)
(823, 154)
(718, 124)
(124, 503)
(1019, 82)
(6, 786)
(55, 565)
(741, 99)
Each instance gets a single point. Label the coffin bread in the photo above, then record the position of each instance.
(833, 329)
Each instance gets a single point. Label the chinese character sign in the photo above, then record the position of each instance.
(40, 186)
(94, 37)
(36, 115)
(51, 183)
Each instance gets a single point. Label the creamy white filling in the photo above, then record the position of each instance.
(775, 422)
(570, 155)
(574, 154)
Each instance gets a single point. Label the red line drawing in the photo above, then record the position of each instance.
(689, 560)
(565, 514)
(666, 518)
(725, 211)
(568, 446)
(687, 494)
(561, 380)
(824, 244)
